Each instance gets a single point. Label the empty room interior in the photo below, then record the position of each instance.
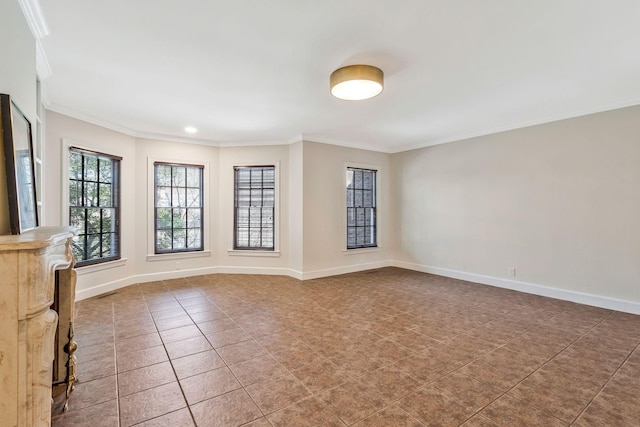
(336, 213)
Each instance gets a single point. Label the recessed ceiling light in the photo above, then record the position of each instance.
(190, 129)
(356, 82)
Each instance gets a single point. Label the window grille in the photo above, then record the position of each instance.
(361, 208)
(94, 205)
(178, 208)
(254, 207)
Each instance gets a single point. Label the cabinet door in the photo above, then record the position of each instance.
(40, 338)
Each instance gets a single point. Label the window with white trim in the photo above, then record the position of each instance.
(254, 207)
(94, 205)
(178, 208)
(361, 208)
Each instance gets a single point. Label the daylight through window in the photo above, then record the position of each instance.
(178, 208)
(361, 208)
(94, 199)
(255, 195)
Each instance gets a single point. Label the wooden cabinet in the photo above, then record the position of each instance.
(29, 327)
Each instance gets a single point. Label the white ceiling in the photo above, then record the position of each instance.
(256, 71)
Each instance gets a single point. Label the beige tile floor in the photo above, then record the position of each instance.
(388, 347)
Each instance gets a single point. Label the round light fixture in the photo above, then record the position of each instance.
(356, 82)
(190, 129)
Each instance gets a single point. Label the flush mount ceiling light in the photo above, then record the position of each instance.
(356, 82)
(190, 129)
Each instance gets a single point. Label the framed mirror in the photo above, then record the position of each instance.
(18, 152)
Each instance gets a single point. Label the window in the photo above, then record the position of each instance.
(254, 207)
(94, 205)
(361, 208)
(178, 208)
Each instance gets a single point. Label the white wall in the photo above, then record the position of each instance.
(311, 211)
(559, 202)
(251, 261)
(17, 78)
(18, 53)
(149, 266)
(325, 210)
(296, 208)
(86, 135)
(136, 204)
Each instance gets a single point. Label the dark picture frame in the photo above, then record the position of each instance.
(18, 151)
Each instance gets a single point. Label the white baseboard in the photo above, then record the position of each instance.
(530, 288)
(174, 274)
(271, 271)
(104, 288)
(139, 278)
(344, 270)
(177, 274)
(296, 274)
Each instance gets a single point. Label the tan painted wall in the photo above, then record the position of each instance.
(106, 141)
(296, 207)
(325, 212)
(136, 205)
(155, 150)
(310, 232)
(252, 156)
(560, 202)
(17, 78)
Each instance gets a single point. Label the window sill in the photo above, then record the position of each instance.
(254, 253)
(178, 255)
(360, 250)
(101, 266)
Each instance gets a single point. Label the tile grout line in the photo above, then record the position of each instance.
(311, 394)
(221, 358)
(242, 297)
(115, 354)
(225, 362)
(528, 375)
(184, 396)
(607, 383)
(544, 364)
(172, 368)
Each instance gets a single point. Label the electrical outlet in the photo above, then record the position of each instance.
(178, 265)
(512, 271)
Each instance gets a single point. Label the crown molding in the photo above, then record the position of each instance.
(347, 144)
(212, 143)
(35, 18)
(150, 135)
(625, 103)
(255, 143)
(43, 69)
(294, 139)
(44, 95)
(90, 119)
